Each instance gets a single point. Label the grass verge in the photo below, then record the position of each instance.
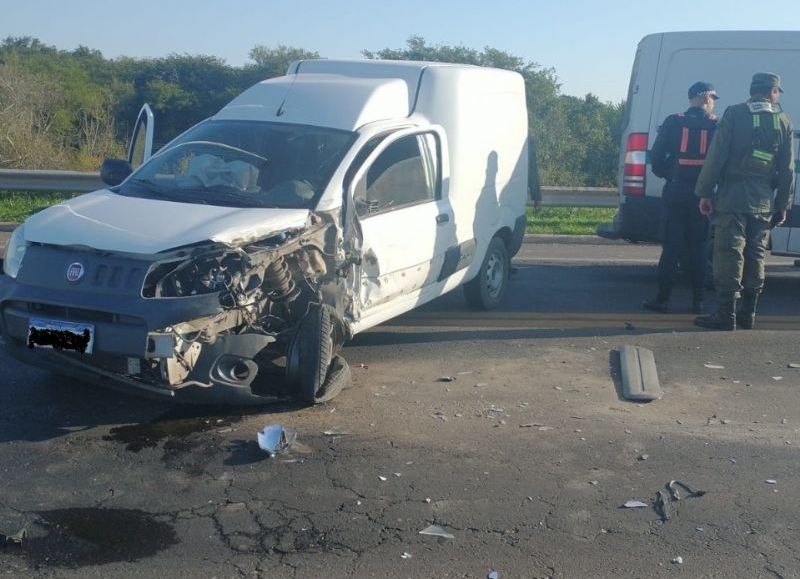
(17, 206)
(551, 220)
(568, 220)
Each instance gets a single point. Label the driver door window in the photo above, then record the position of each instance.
(405, 174)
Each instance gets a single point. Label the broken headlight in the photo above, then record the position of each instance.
(15, 251)
(229, 274)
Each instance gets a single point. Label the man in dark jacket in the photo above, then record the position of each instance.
(749, 159)
(678, 155)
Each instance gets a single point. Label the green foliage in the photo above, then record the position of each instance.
(70, 109)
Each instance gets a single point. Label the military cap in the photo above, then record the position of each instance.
(701, 89)
(765, 81)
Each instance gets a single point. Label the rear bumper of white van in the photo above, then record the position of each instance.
(637, 219)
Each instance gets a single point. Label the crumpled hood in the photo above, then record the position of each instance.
(106, 221)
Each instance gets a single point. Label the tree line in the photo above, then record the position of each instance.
(71, 109)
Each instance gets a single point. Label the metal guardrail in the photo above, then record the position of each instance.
(49, 181)
(579, 197)
(77, 182)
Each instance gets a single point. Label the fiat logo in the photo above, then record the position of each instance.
(75, 272)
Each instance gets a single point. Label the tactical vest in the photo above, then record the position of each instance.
(759, 159)
(695, 136)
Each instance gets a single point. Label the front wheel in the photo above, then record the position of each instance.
(486, 290)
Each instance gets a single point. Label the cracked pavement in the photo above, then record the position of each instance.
(526, 457)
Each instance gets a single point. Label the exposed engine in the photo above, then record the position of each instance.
(264, 288)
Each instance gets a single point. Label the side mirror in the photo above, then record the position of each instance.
(115, 171)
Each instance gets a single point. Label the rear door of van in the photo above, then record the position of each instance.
(665, 66)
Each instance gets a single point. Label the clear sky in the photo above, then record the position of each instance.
(591, 44)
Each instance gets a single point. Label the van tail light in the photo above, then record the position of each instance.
(633, 178)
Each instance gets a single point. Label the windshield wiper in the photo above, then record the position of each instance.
(149, 185)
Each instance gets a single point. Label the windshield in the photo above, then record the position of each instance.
(243, 164)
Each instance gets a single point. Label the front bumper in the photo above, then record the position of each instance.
(125, 325)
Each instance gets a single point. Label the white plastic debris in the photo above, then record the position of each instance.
(714, 366)
(382, 478)
(334, 433)
(677, 561)
(777, 378)
(771, 481)
(437, 531)
(275, 438)
(793, 365)
(406, 556)
(643, 457)
(635, 505)
(493, 575)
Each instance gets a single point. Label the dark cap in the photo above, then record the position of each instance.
(702, 89)
(765, 81)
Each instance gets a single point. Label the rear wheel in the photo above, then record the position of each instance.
(486, 290)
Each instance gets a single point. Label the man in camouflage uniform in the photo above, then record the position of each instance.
(749, 159)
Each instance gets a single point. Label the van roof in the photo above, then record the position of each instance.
(728, 38)
(344, 94)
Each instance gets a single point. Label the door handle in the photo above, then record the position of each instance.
(442, 218)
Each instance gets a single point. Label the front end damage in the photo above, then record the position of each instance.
(215, 322)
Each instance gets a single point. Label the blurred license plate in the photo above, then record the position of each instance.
(58, 335)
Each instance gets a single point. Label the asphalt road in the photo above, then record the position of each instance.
(526, 457)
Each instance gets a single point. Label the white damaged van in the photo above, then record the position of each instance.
(664, 67)
(310, 208)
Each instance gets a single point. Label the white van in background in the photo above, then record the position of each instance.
(665, 66)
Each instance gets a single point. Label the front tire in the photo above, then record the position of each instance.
(312, 364)
(487, 289)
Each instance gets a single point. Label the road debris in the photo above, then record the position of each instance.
(15, 539)
(274, 438)
(663, 505)
(493, 575)
(793, 365)
(382, 478)
(635, 505)
(639, 374)
(447, 379)
(334, 433)
(677, 561)
(439, 415)
(643, 457)
(673, 485)
(771, 481)
(777, 378)
(664, 501)
(714, 366)
(437, 531)
(406, 555)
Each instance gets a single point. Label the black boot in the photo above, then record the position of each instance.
(746, 317)
(660, 303)
(698, 301)
(723, 319)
